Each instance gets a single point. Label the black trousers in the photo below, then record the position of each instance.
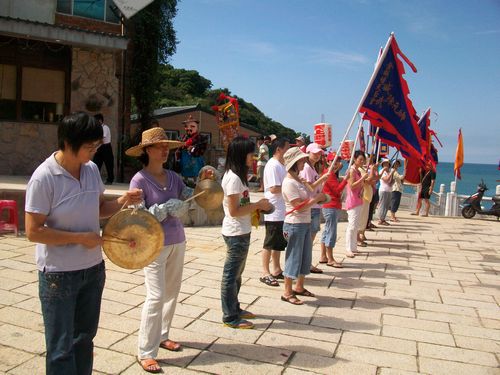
(104, 155)
(373, 205)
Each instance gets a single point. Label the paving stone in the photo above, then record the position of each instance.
(376, 357)
(259, 353)
(450, 318)
(298, 344)
(11, 298)
(324, 365)
(449, 309)
(105, 337)
(418, 335)
(380, 343)
(349, 320)
(305, 330)
(457, 354)
(425, 325)
(118, 323)
(35, 365)
(459, 329)
(219, 330)
(10, 358)
(27, 319)
(480, 344)
(224, 364)
(438, 366)
(22, 339)
(391, 371)
(384, 309)
(111, 362)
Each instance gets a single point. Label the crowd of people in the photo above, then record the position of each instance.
(297, 187)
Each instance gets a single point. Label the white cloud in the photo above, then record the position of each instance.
(335, 57)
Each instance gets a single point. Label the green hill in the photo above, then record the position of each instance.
(179, 87)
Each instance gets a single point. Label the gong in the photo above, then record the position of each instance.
(213, 196)
(132, 238)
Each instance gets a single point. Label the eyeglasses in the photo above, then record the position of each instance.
(92, 146)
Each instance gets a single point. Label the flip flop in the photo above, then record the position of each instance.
(292, 299)
(170, 345)
(146, 363)
(335, 265)
(269, 280)
(304, 293)
(323, 262)
(350, 255)
(316, 270)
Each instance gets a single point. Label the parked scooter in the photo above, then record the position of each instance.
(472, 205)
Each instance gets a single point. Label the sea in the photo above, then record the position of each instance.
(472, 174)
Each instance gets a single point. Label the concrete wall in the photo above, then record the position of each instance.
(32, 10)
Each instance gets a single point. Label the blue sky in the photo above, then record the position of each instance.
(296, 60)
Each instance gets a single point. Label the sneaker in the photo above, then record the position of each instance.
(239, 324)
(244, 314)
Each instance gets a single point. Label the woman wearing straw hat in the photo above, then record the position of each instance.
(163, 192)
(297, 227)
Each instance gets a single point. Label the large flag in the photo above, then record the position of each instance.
(387, 104)
(459, 155)
(361, 141)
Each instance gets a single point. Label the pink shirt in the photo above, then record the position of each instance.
(354, 197)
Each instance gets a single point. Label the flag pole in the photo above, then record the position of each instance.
(365, 94)
(355, 143)
(378, 150)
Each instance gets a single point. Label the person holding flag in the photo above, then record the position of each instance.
(427, 180)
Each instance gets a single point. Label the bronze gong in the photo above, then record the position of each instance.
(213, 196)
(132, 238)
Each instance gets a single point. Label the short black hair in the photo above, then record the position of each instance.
(278, 143)
(236, 158)
(260, 138)
(99, 116)
(76, 129)
(358, 153)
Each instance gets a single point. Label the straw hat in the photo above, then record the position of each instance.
(292, 156)
(151, 137)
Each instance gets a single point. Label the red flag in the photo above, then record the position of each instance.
(387, 104)
(459, 155)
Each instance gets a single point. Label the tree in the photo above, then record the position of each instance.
(153, 41)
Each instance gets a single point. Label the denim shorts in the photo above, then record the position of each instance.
(315, 220)
(298, 255)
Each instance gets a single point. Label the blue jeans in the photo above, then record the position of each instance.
(237, 251)
(298, 254)
(315, 220)
(71, 303)
(329, 236)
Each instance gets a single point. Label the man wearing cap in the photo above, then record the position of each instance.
(190, 157)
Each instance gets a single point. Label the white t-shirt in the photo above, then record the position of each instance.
(384, 186)
(292, 189)
(235, 226)
(264, 154)
(274, 174)
(106, 134)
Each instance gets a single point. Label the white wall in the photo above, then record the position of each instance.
(32, 10)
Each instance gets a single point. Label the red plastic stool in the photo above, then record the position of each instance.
(13, 222)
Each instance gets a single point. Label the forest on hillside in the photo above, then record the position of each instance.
(179, 87)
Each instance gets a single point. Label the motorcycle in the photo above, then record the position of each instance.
(472, 205)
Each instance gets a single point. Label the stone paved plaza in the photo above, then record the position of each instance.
(422, 298)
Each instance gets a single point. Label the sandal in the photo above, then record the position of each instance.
(323, 261)
(292, 299)
(304, 293)
(239, 324)
(350, 255)
(170, 345)
(316, 270)
(269, 280)
(279, 276)
(335, 265)
(362, 244)
(149, 365)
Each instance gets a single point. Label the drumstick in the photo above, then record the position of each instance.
(194, 196)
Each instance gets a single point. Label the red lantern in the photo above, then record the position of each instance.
(323, 135)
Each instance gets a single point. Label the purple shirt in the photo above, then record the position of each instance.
(155, 193)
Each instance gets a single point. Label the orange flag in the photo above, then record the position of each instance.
(459, 155)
